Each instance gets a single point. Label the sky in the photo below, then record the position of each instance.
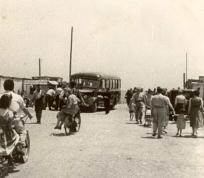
(142, 41)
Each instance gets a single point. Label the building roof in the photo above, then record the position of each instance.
(17, 78)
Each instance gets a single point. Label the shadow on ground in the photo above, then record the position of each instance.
(61, 134)
(189, 136)
(131, 123)
(149, 137)
(5, 170)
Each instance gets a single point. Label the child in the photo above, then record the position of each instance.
(6, 119)
(148, 118)
(181, 123)
(131, 109)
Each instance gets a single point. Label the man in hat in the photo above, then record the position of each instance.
(158, 110)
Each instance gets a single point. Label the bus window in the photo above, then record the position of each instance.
(107, 83)
(118, 84)
(114, 84)
(111, 84)
(103, 84)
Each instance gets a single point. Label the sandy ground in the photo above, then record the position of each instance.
(110, 146)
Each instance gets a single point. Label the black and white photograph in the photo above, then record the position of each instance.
(101, 89)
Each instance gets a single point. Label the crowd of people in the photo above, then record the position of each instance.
(12, 105)
(154, 107)
(65, 99)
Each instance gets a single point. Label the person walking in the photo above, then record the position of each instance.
(128, 96)
(180, 102)
(131, 109)
(180, 105)
(107, 98)
(158, 110)
(148, 98)
(167, 111)
(38, 96)
(139, 100)
(195, 110)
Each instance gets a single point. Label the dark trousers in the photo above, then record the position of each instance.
(38, 115)
(57, 100)
(49, 101)
(107, 106)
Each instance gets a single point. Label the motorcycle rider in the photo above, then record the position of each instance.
(17, 106)
(70, 109)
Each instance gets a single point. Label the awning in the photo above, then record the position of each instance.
(35, 82)
(53, 82)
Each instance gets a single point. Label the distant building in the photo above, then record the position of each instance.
(196, 84)
(19, 82)
(201, 78)
(189, 83)
(27, 85)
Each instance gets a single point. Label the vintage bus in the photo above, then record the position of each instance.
(94, 86)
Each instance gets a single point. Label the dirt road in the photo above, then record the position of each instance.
(110, 146)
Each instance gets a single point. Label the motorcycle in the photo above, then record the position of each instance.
(72, 124)
(16, 151)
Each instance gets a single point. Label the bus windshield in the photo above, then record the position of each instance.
(87, 83)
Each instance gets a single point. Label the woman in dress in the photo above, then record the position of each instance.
(195, 110)
(180, 103)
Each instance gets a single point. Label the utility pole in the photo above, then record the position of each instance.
(39, 67)
(70, 60)
(184, 81)
(186, 66)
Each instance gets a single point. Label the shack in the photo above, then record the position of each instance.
(19, 82)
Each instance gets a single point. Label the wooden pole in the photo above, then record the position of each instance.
(70, 60)
(186, 66)
(184, 82)
(39, 67)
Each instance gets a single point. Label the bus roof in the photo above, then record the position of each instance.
(95, 75)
